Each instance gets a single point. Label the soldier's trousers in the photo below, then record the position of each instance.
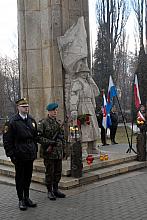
(23, 177)
(53, 170)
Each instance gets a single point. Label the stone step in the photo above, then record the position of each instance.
(34, 186)
(97, 164)
(100, 174)
(87, 177)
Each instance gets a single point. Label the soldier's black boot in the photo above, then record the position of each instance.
(51, 195)
(27, 200)
(58, 193)
(30, 203)
(22, 205)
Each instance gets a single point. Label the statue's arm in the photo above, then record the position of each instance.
(94, 86)
(74, 96)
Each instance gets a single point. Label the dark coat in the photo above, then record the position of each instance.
(20, 138)
(114, 119)
(99, 116)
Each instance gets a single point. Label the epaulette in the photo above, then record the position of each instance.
(13, 118)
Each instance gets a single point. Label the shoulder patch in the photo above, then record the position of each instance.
(5, 129)
(33, 124)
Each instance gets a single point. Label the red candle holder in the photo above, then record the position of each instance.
(89, 159)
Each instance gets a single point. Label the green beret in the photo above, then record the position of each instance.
(52, 106)
(22, 102)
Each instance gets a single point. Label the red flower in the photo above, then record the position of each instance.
(79, 123)
(87, 120)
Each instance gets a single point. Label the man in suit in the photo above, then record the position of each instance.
(113, 127)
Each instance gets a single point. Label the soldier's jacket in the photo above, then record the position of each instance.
(46, 131)
(20, 138)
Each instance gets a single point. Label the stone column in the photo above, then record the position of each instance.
(40, 22)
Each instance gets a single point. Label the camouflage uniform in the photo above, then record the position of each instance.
(52, 158)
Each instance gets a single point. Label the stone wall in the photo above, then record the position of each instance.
(40, 22)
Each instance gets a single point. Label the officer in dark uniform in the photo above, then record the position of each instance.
(51, 138)
(20, 144)
(114, 124)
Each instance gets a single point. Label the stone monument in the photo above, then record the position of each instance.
(40, 22)
(80, 88)
(42, 76)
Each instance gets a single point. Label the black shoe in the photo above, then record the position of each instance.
(113, 142)
(105, 144)
(59, 194)
(51, 195)
(30, 203)
(22, 205)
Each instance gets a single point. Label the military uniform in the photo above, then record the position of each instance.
(53, 149)
(20, 144)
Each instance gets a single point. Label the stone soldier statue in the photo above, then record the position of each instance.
(82, 100)
(51, 138)
(20, 144)
(80, 88)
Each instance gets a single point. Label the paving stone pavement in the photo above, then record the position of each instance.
(121, 198)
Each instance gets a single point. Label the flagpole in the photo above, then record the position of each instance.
(124, 125)
(112, 93)
(132, 122)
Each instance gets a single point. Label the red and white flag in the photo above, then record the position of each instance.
(104, 111)
(136, 93)
(140, 116)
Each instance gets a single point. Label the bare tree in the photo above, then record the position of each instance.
(112, 16)
(10, 84)
(2, 91)
(138, 7)
(141, 70)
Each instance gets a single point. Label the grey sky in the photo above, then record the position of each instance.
(8, 26)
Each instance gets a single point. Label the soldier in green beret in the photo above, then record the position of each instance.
(51, 138)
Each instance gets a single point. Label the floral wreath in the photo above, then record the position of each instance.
(83, 119)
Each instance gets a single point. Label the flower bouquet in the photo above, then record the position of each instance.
(83, 119)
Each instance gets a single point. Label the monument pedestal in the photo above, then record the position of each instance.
(89, 148)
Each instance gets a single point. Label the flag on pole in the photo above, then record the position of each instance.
(111, 93)
(140, 116)
(136, 93)
(104, 111)
(106, 122)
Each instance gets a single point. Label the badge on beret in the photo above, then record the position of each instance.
(33, 124)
